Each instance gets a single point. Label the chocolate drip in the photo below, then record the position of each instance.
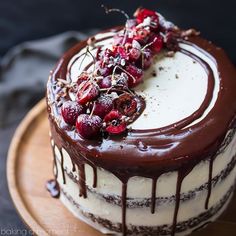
(82, 181)
(53, 188)
(182, 173)
(209, 181)
(55, 168)
(94, 176)
(62, 167)
(73, 166)
(124, 197)
(153, 195)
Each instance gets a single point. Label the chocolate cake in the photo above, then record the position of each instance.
(142, 121)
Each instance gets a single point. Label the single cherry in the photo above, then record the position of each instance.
(88, 92)
(103, 105)
(126, 104)
(170, 41)
(135, 75)
(156, 43)
(70, 111)
(146, 58)
(134, 54)
(141, 35)
(114, 122)
(88, 126)
(105, 82)
(141, 14)
(82, 78)
(102, 69)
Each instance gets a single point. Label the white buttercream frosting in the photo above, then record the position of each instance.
(174, 93)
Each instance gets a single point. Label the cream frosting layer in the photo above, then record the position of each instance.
(174, 93)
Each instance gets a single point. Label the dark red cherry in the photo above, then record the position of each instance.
(83, 77)
(156, 43)
(135, 75)
(70, 111)
(126, 104)
(143, 13)
(88, 92)
(114, 122)
(134, 54)
(105, 82)
(103, 105)
(147, 58)
(119, 51)
(170, 41)
(103, 70)
(141, 35)
(88, 126)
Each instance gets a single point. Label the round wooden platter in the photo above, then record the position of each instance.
(29, 166)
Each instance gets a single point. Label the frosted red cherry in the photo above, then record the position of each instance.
(141, 14)
(88, 91)
(89, 126)
(103, 105)
(70, 111)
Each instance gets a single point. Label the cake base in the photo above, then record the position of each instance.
(30, 152)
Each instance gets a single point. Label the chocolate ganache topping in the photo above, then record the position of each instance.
(92, 117)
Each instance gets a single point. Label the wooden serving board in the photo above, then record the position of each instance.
(29, 166)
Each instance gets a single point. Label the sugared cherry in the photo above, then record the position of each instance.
(88, 126)
(135, 75)
(88, 92)
(141, 14)
(105, 82)
(103, 105)
(134, 54)
(70, 111)
(103, 70)
(82, 78)
(147, 58)
(156, 43)
(114, 122)
(141, 35)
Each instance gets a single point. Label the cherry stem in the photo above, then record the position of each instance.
(85, 55)
(92, 111)
(109, 10)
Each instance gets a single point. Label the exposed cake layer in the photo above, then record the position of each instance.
(184, 228)
(140, 187)
(194, 191)
(190, 211)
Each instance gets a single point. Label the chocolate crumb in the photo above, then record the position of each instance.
(154, 73)
(161, 68)
(170, 54)
(176, 76)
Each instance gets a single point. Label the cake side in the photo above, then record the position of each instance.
(147, 163)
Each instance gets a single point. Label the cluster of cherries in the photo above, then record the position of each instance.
(104, 102)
